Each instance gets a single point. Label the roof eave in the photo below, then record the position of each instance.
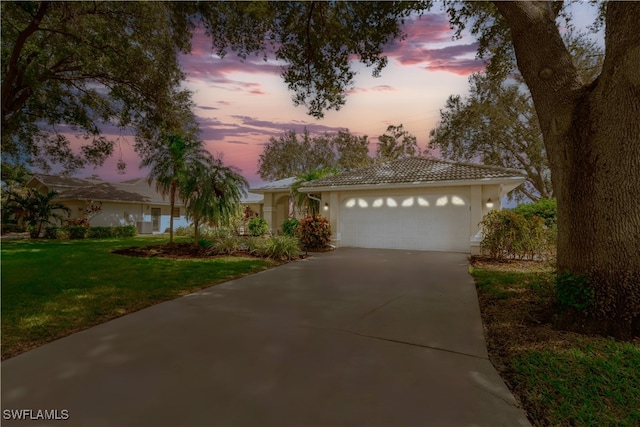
(418, 184)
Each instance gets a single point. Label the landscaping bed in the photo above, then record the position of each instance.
(561, 378)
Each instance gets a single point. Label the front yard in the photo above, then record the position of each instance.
(561, 378)
(51, 289)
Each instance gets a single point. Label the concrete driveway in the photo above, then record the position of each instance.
(353, 337)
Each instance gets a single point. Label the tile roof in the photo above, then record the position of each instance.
(415, 170)
(65, 181)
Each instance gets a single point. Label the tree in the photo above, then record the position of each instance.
(591, 135)
(171, 161)
(78, 67)
(289, 155)
(353, 151)
(497, 125)
(396, 143)
(309, 202)
(35, 209)
(211, 192)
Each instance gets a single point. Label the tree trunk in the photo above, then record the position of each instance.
(592, 137)
(172, 203)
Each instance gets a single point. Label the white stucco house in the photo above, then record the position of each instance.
(131, 202)
(415, 203)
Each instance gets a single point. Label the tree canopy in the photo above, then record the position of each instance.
(396, 143)
(81, 67)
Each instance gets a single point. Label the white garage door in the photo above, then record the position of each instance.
(433, 222)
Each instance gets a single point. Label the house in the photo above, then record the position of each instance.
(132, 202)
(414, 203)
(276, 204)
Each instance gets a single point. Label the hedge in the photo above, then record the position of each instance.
(78, 232)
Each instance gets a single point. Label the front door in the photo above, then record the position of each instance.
(155, 219)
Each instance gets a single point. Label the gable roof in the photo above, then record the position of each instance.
(273, 186)
(414, 171)
(63, 181)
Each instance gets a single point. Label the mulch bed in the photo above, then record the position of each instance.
(175, 251)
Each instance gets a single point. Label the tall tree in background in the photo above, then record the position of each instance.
(396, 143)
(353, 151)
(289, 155)
(77, 67)
(169, 162)
(497, 125)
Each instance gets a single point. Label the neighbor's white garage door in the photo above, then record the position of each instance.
(433, 222)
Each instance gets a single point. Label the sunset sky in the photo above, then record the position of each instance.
(241, 105)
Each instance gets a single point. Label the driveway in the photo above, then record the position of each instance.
(353, 337)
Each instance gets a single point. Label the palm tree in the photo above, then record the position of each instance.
(35, 208)
(169, 162)
(306, 200)
(212, 192)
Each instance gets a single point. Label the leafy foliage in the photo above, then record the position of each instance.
(511, 235)
(573, 291)
(314, 232)
(35, 209)
(547, 209)
(290, 155)
(258, 226)
(290, 227)
(81, 66)
(278, 247)
(308, 203)
(396, 143)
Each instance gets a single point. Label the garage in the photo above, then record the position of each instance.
(416, 203)
(420, 221)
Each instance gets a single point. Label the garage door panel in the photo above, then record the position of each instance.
(419, 222)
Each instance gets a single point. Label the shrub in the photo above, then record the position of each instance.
(511, 235)
(184, 231)
(573, 291)
(77, 222)
(547, 209)
(101, 232)
(225, 246)
(279, 247)
(127, 231)
(290, 227)
(51, 232)
(314, 232)
(12, 228)
(258, 226)
(76, 231)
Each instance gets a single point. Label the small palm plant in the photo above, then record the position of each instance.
(36, 209)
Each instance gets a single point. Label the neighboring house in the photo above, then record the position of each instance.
(414, 203)
(132, 202)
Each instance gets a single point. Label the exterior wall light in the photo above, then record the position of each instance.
(326, 206)
(489, 204)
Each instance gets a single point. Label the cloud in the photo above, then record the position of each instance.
(424, 35)
(378, 88)
(206, 107)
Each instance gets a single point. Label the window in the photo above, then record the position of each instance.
(176, 212)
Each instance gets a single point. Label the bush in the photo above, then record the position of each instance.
(100, 232)
(126, 231)
(314, 232)
(76, 231)
(184, 231)
(511, 235)
(12, 228)
(290, 227)
(224, 246)
(573, 291)
(279, 247)
(51, 232)
(547, 209)
(258, 226)
(77, 222)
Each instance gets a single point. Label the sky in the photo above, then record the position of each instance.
(242, 104)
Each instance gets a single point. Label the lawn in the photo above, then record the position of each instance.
(53, 288)
(561, 378)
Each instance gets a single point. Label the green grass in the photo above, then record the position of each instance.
(595, 382)
(562, 378)
(53, 288)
